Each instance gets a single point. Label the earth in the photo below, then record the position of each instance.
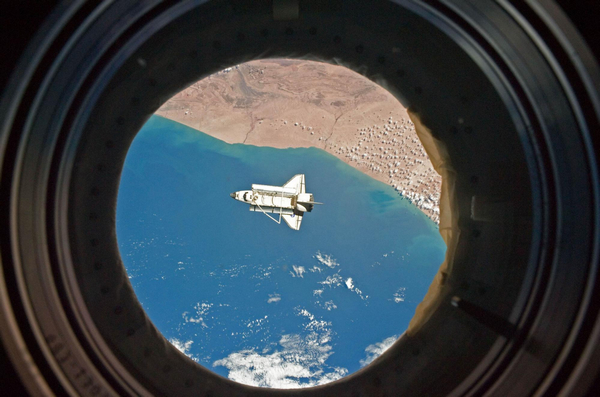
(253, 300)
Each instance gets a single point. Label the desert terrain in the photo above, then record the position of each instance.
(287, 103)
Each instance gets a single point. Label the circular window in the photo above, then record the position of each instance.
(507, 89)
(304, 302)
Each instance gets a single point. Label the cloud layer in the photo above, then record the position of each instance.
(298, 362)
(376, 349)
(184, 347)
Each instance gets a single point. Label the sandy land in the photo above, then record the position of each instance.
(292, 103)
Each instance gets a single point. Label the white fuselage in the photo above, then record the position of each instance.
(290, 201)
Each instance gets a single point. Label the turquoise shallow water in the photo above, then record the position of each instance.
(253, 300)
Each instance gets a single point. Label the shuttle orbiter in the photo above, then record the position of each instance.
(290, 201)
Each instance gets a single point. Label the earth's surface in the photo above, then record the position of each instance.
(255, 301)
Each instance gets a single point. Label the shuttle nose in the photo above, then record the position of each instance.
(232, 195)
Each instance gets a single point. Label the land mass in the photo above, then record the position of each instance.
(286, 103)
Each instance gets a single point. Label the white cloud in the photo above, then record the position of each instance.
(317, 325)
(334, 280)
(259, 322)
(399, 295)
(300, 362)
(298, 271)
(262, 272)
(350, 284)
(305, 313)
(317, 292)
(183, 347)
(376, 349)
(329, 305)
(274, 298)
(359, 293)
(327, 260)
(313, 324)
(201, 311)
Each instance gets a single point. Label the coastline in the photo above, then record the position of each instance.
(285, 103)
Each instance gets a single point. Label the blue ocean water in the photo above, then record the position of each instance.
(256, 301)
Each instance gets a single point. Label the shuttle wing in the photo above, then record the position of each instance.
(297, 182)
(293, 220)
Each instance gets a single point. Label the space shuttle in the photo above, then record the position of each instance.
(290, 201)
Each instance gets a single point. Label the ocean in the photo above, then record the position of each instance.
(255, 301)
